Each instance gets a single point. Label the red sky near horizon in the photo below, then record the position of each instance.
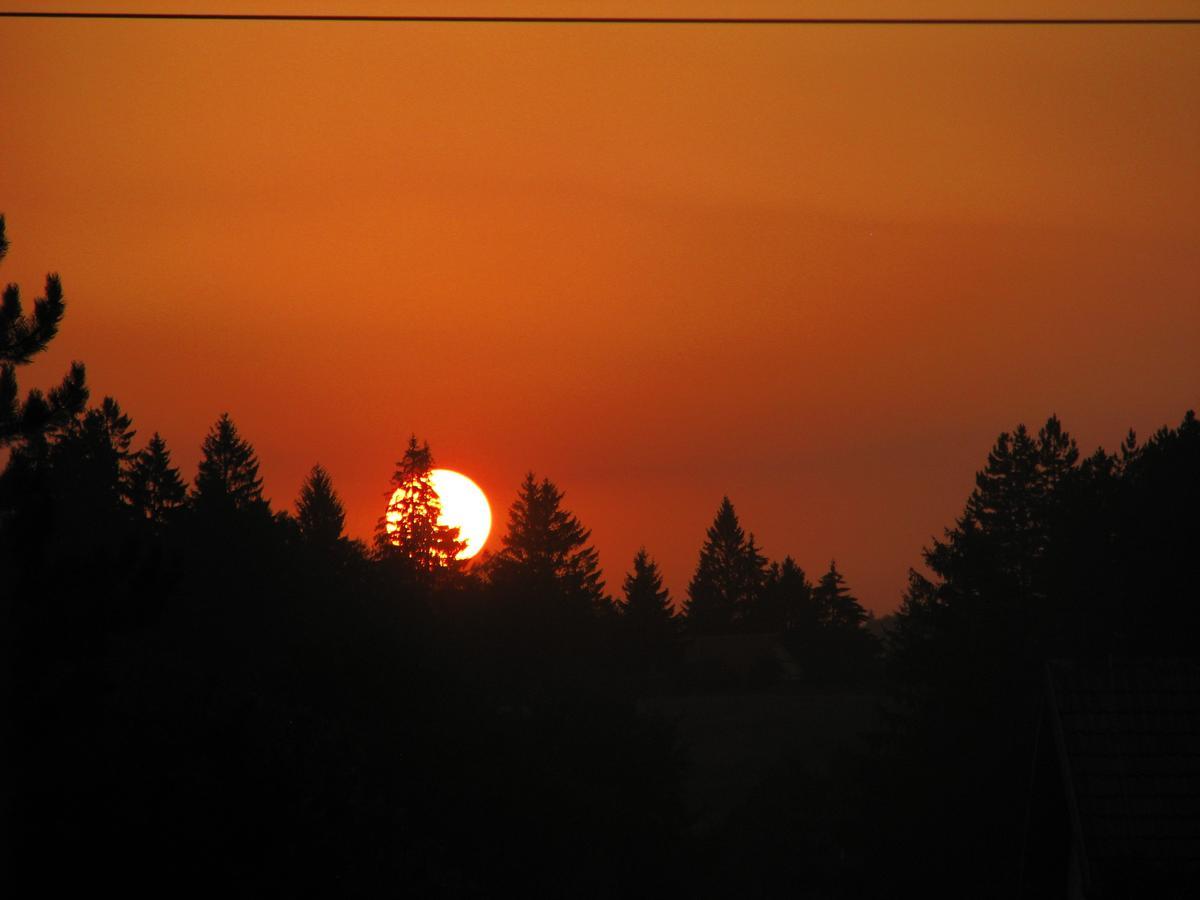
(817, 270)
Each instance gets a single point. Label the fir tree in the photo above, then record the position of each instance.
(409, 527)
(88, 464)
(227, 482)
(786, 603)
(319, 510)
(1129, 451)
(22, 338)
(994, 570)
(647, 611)
(840, 648)
(837, 608)
(156, 490)
(546, 550)
(729, 577)
(913, 630)
(1011, 510)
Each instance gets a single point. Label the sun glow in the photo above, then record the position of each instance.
(464, 506)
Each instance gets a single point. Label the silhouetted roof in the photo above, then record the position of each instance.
(1128, 735)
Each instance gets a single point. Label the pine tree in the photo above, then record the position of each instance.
(786, 603)
(995, 572)
(88, 478)
(1129, 452)
(319, 510)
(227, 482)
(838, 609)
(647, 611)
(841, 649)
(729, 577)
(409, 527)
(913, 630)
(156, 490)
(21, 339)
(1010, 511)
(546, 550)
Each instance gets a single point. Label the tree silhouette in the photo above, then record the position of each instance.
(914, 629)
(319, 510)
(827, 628)
(89, 459)
(647, 613)
(156, 490)
(786, 603)
(410, 528)
(729, 577)
(21, 339)
(996, 568)
(1041, 564)
(1055, 556)
(838, 609)
(823, 625)
(546, 550)
(1011, 503)
(227, 481)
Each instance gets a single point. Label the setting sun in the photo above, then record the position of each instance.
(464, 506)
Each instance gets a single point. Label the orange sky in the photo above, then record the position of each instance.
(815, 269)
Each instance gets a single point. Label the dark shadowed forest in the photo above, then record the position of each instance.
(203, 692)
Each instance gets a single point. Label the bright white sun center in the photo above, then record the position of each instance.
(463, 506)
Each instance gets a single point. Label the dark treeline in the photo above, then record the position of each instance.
(1055, 557)
(207, 692)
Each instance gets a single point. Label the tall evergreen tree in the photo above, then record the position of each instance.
(409, 528)
(156, 490)
(913, 630)
(837, 607)
(840, 648)
(546, 550)
(647, 611)
(93, 450)
(1011, 510)
(994, 570)
(786, 603)
(227, 482)
(729, 577)
(319, 510)
(1052, 558)
(1039, 562)
(87, 477)
(22, 338)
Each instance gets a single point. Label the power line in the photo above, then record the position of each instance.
(591, 20)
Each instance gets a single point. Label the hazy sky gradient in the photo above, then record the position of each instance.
(814, 269)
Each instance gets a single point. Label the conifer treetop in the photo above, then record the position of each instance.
(22, 337)
(156, 489)
(546, 544)
(228, 473)
(729, 576)
(409, 526)
(319, 510)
